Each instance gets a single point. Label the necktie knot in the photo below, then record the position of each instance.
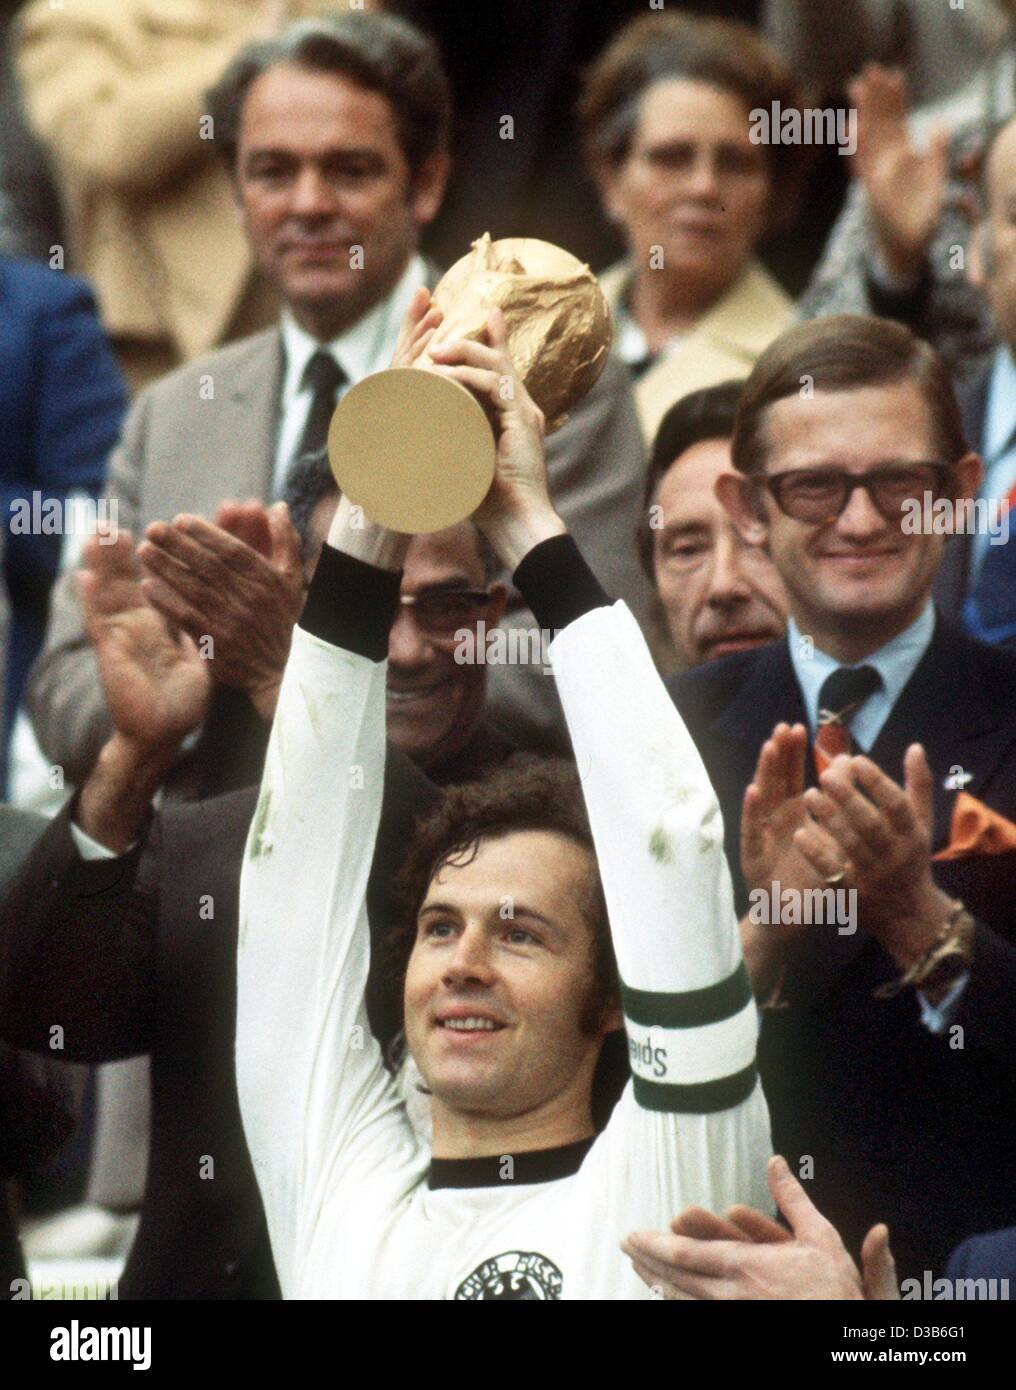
(845, 691)
(323, 374)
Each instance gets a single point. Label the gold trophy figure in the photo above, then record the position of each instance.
(415, 450)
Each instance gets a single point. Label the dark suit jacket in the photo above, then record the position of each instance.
(987, 1257)
(902, 1126)
(137, 955)
(34, 1119)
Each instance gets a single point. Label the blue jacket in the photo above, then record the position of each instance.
(987, 1257)
(62, 400)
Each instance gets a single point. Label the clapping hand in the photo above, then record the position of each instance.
(747, 1255)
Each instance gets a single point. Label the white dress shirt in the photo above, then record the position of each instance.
(365, 348)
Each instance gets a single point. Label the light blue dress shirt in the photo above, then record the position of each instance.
(896, 662)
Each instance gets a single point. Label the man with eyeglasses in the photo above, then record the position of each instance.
(436, 705)
(898, 1107)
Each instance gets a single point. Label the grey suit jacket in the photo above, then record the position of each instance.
(19, 831)
(207, 431)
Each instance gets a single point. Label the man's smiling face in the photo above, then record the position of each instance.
(860, 572)
(435, 703)
(500, 977)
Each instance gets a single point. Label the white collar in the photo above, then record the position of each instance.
(364, 348)
(1000, 418)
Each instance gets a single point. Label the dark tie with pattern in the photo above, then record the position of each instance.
(324, 376)
(842, 695)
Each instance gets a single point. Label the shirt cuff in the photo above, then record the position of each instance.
(557, 584)
(89, 849)
(937, 1017)
(351, 604)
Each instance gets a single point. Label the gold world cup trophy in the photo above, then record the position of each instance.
(416, 450)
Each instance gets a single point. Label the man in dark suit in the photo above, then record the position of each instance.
(60, 410)
(34, 1118)
(897, 1109)
(135, 953)
(977, 581)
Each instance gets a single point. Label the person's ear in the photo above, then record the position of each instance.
(979, 256)
(608, 177)
(741, 498)
(495, 608)
(612, 1020)
(965, 477)
(429, 187)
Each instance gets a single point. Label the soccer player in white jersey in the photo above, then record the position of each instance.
(508, 990)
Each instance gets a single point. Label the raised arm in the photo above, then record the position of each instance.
(655, 817)
(697, 1121)
(317, 1104)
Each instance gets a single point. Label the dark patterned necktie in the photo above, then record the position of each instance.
(842, 695)
(324, 376)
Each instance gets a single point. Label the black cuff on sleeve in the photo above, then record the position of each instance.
(351, 604)
(557, 584)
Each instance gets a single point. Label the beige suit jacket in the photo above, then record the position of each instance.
(208, 431)
(115, 89)
(725, 343)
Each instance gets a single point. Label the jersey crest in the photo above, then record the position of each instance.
(515, 1276)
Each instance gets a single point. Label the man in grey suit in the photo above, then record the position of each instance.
(336, 134)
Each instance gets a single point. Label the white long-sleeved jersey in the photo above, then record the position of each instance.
(343, 1174)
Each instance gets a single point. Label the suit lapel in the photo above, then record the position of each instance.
(925, 712)
(249, 420)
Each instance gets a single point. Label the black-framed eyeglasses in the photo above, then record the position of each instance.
(820, 495)
(441, 612)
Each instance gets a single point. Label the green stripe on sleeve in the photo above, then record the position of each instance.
(691, 1009)
(705, 1098)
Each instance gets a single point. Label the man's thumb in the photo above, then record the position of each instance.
(878, 1268)
(285, 541)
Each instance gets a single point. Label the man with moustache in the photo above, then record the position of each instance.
(840, 422)
(716, 594)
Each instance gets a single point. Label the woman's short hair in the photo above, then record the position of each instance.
(720, 52)
(845, 352)
(377, 51)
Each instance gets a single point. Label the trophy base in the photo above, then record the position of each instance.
(413, 449)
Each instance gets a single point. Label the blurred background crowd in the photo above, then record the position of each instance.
(182, 185)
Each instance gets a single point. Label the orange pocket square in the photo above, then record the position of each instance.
(976, 829)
